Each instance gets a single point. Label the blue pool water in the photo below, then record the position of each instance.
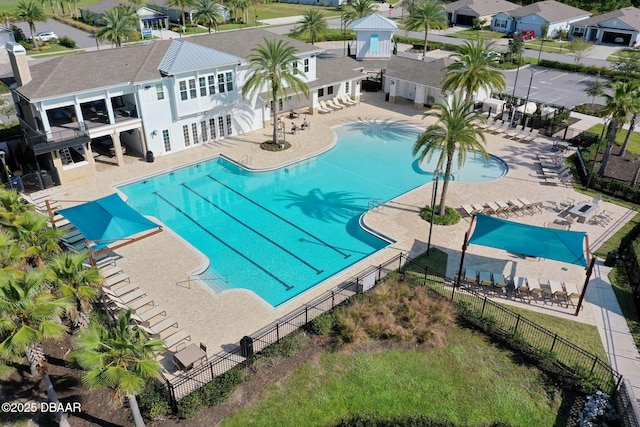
(281, 232)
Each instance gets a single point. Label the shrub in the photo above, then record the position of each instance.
(67, 42)
(218, 390)
(270, 146)
(322, 325)
(77, 24)
(451, 216)
(189, 406)
(153, 402)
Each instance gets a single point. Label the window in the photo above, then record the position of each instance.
(229, 127)
(166, 140)
(500, 23)
(183, 91)
(203, 86)
(330, 90)
(212, 128)
(229, 78)
(192, 88)
(221, 83)
(321, 92)
(306, 65)
(159, 91)
(203, 129)
(212, 84)
(194, 131)
(280, 105)
(347, 87)
(373, 43)
(221, 126)
(295, 65)
(185, 133)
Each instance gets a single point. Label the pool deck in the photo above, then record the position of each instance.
(162, 265)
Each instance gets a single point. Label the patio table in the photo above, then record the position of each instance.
(188, 356)
(584, 210)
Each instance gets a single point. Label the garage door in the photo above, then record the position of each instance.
(465, 20)
(611, 37)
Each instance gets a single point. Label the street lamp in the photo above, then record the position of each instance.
(434, 195)
(513, 94)
(524, 112)
(256, 20)
(595, 156)
(343, 27)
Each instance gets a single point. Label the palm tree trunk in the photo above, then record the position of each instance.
(426, 34)
(32, 29)
(612, 130)
(445, 185)
(53, 397)
(37, 361)
(135, 411)
(632, 126)
(274, 113)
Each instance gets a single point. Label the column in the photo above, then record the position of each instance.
(418, 102)
(392, 91)
(118, 148)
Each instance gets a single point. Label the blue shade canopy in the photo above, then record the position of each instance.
(531, 240)
(107, 220)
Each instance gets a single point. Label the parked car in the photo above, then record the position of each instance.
(494, 56)
(528, 34)
(46, 36)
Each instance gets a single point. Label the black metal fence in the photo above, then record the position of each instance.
(581, 362)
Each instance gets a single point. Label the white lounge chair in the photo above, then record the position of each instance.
(532, 137)
(337, 101)
(348, 98)
(326, 106)
(149, 314)
(345, 100)
(175, 339)
(332, 104)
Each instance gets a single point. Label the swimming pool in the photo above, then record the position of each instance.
(279, 233)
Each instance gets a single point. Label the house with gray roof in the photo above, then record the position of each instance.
(374, 36)
(463, 12)
(618, 27)
(165, 96)
(147, 18)
(557, 16)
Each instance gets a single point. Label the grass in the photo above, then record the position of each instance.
(634, 142)
(623, 53)
(624, 294)
(436, 261)
(467, 382)
(477, 34)
(551, 46)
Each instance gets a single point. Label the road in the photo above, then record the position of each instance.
(83, 39)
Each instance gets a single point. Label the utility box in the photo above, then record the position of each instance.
(612, 257)
(246, 347)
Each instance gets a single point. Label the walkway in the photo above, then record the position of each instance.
(163, 265)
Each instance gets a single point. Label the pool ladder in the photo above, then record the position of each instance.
(246, 160)
(374, 204)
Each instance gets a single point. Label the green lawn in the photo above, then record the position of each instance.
(634, 142)
(551, 46)
(622, 54)
(54, 48)
(468, 382)
(477, 34)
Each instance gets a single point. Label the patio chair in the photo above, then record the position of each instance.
(149, 314)
(345, 100)
(503, 128)
(331, 103)
(337, 101)
(495, 126)
(324, 110)
(521, 289)
(176, 338)
(158, 327)
(324, 105)
(535, 289)
(532, 136)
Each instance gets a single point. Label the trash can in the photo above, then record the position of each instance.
(246, 346)
(149, 156)
(612, 257)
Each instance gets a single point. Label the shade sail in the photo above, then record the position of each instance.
(531, 240)
(107, 220)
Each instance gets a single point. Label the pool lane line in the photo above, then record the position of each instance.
(280, 217)
(287, 286)
(317, 270)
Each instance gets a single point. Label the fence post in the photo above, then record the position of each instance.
(172, 395)
(517, 323)
(595, 361)
(553, 344)
(211, 369)
(400, 262)
(333, 298)
(306, 314)
(616, 388)
(277, 332)
(484, 302)
(379, 273)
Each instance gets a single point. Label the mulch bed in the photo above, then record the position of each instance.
(621, 168)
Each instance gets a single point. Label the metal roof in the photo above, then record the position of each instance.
(374, 22)
(183, 56)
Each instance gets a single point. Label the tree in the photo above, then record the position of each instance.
(209, 13)
(629, 64)
(593, 89)
(544, 31)
(271, 67)
(472, 71)
(117, 25)
(579, 48)
(356, 9)
(122, 358)
(516, 46)
(182, 4)
(30, 315)
(453, 134)
(6, 108)
(7, 17)
(313, 24)
(31, 12)
(74, 280)
(624, 101)
(33, 234)
(426, 15)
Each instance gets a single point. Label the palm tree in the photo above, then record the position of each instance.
(7, 17)
(34, 236)
(312, 23)
(122, 358)
(182, 4)
(31, 12)
(74, 280)
(593, 89)
(30, 315)
(117, 25)
(453, 131)
(619, 105)
(472, 71)
(271, 67)
(356, 9)
(426, 15)
(209, 13)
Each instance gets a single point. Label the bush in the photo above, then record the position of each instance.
(374, 420)
(189, 406)
(67, 42)
(153, 402)
(451, 216)
(77, 24)
(322, 324)
(218, 390)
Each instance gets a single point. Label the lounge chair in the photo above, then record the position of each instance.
(522, 135)
(124, 288)
(114, 280)
(522, 290)
(345, 100)
(337, 101)
(332, 104)
(484, 125)
(176, 338)
(573, 291)
(158, 327)
(116, 303)
(149, 314)
(495, 126)
(323, 109)
(534, 288)
(532, 136)
(125, 298)
(348, 98)
(469, 210)
(502, 129)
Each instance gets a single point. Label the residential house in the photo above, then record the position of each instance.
(557, 16)
(148, 18)
(463, 12)
(374, 37)
(163, 97)
(619, 27)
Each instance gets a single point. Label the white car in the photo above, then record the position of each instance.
(46, 36)
(494, 56)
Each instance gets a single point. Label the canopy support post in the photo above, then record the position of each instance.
(584, 287)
